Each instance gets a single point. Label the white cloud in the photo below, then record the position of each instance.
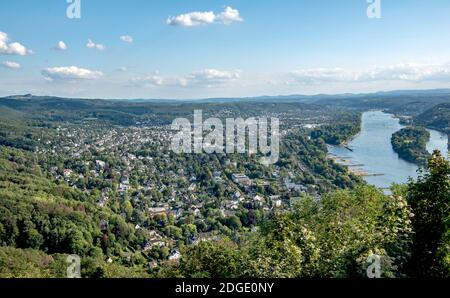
(61, 46)
(122, 68)
(10, 65)
(207, 77)
(151, 80)
(156, 80)
(126, 38)
(213, 76)
(14, 48)
(412, 72)
(192, 19)
(408, 72)
(70, 73)
(228, 16)
(91, 45)
(320, 75)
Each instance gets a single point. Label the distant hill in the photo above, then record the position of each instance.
(398, 102)
(405, 102)
(437, 117)
(127, 112)
(341, 99)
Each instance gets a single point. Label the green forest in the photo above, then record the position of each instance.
(411, 144)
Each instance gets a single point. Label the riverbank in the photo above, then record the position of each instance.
(372, 156)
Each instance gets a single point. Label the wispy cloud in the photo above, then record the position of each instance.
(412, 72)
(321, 75)
(70, 73)
(126, 38)
(192, 19)
(156, 80)
(13, 48)
(92, 45)
(213, 76)
(408, 72)
(206, 77)
(10, 65)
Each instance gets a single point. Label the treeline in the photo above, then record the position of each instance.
(411, 144)
(16, 135)
(333, 237)
(341, 132)
(437, 118)
(323, 239)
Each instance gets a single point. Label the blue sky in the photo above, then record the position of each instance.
(215, 48)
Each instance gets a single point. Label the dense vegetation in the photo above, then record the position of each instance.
(328, 238)
(411, 144)
(309, 159)
(340, 133)
(36, 213)
(429, 198)
(437, 118)
(334, 236)
(31, 263)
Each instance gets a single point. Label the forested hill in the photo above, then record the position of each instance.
(410, 103)
(123, 112)
(437, 117)
(127, 112)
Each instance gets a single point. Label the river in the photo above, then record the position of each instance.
(371, 153)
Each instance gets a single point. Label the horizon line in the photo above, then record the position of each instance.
(237, 97)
